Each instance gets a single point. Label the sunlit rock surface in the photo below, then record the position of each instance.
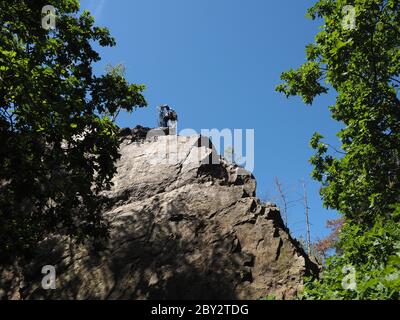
(185, 225)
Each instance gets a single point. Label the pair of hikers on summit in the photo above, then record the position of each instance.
(166, 116)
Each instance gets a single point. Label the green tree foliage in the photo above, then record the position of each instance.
(58, 148)
(362, 65)
(373, 252)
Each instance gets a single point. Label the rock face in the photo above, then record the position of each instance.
(185, 225)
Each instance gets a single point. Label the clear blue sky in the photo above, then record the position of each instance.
(217, 63)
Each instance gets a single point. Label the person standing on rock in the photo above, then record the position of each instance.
(167, 117)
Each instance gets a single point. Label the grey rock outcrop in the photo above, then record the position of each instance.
(185, 225)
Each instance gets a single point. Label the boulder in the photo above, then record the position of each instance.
(185, 224)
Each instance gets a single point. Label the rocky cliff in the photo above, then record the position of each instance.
(185, 225)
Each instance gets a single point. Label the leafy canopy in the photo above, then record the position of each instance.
(374, 253)
(58, 148)
(362, 65)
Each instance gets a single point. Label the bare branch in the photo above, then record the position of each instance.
(306, 207)
(282, 195)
